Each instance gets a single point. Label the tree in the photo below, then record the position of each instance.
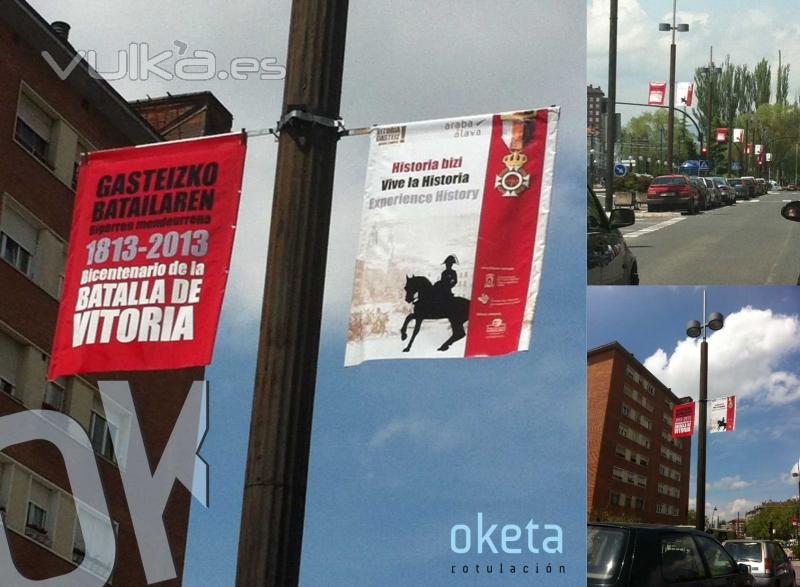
(762, 78)
(779, 515)
(782, 84)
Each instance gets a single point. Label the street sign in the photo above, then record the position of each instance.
(794, 522)
(620, 170)
(735, 166)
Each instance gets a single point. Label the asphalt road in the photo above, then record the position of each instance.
(746, 244)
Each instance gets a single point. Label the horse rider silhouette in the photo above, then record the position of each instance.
(443, 289)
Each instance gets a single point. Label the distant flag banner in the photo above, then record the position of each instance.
(655, 95)
(723, 414)
(738, 135)
(453, 232)
(683, 420)
(769, 156)
(759, 149)
(150, 245)
(722, 135)
(685, 91)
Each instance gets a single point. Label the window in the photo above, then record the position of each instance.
(54, 396)
(680, 560)
(7, 386)
(720, 562)
(100, 432)
(101, 561)
(12, 252)
(36, 518)
(34, 128)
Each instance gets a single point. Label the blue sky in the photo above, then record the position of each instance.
(755, 357)
(401, 450)
(747, 31)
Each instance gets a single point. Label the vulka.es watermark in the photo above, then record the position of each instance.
(139, 62)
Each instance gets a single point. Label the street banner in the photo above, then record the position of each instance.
(722, 135)
(452, 238)
(149, 250)
(769, 156)
(759, 149)
(722, 414)
(655, 96)
(738, 135)
(748, 149)
(685, 92)
(682, 420)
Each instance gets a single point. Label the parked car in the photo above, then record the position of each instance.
(714, 192)
(762, 184)
(673, 192)
(750, 183)
(609, 260)
(726, 191)
(740, 188)
(706, 198)
(644, 555)
(766, 561)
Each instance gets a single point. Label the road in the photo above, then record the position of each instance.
(749, 244)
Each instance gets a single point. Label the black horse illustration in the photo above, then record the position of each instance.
(420, 292)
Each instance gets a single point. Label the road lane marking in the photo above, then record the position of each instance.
(655, 227)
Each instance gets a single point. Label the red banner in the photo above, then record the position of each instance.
(683, 420)
(722, 135)
(150, 245)
(655, 96)
(509, 216)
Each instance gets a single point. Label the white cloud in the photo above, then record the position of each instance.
(730, 510)
(436, 435)
(744, 359)
(729, 484)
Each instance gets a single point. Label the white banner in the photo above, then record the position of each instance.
(453, 233)
(722, 414)
(685, 94)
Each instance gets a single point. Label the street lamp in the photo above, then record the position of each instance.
(709, 72)
(797, 517)
(712, 518)
(666, 27)
(694, 329)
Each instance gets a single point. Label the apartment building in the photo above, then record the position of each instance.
(636, 470)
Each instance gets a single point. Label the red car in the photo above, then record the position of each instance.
(673, 192)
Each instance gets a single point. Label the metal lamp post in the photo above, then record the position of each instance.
(797, 517)
(710, 71)
(694, 329)
(666, 27)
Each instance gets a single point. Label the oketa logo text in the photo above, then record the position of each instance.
(511, 538)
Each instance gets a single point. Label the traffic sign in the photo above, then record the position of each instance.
(620, 170)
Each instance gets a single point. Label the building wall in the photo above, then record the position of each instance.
(637, 453)
(41, 192)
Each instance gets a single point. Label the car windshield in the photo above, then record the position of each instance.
(668, 181)
(606, 549)
(744, 551)
(735, 182)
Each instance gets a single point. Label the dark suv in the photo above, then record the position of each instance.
(644, 555)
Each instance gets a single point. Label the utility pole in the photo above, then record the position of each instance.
(671, 113)
(611, 109)
(276, 474)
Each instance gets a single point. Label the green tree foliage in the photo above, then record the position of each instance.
(782, 86)
(781, 517)
(762, 78)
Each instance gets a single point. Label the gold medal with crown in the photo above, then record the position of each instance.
(514, 179)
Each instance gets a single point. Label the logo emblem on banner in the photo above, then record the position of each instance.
(655, 96)
(514, 180)
(434, 196)
(149, 250)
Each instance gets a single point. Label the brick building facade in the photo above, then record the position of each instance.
(636, 470)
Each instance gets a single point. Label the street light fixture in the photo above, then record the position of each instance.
(681, 28)
(694, 329)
